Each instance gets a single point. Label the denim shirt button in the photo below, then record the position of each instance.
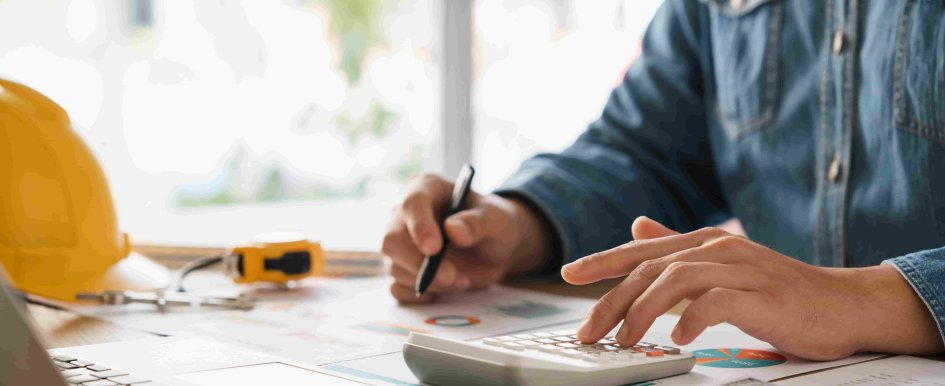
(833, 173)
(838, 42)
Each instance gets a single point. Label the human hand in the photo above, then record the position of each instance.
(805, 310)
(491, 238)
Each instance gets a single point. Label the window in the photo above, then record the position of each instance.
(219, 120)
(543, 72)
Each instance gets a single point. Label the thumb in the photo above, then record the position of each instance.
(466, 228)
(646, 228)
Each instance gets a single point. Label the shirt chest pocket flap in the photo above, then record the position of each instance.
(745, 47)
(919, 70)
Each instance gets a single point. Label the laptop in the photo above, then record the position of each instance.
(189, 361)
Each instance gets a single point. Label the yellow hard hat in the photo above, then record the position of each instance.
(58, 230)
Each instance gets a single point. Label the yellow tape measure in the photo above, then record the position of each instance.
(278, 257)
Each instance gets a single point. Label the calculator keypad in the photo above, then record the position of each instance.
(566, 344)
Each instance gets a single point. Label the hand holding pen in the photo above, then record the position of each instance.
(489, 238)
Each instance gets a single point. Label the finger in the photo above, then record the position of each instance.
(608, 310)
(405, 278)
(402, 277)
(719, 305)
(612, 307)
(682, 280)
(405, 294)
(621, 260)
(468, 227)
(428, 196)
(645, 228)
(400, 248)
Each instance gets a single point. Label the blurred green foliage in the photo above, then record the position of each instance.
(376, 123)
(356, 25)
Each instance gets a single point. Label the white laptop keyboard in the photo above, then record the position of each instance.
(79, 372)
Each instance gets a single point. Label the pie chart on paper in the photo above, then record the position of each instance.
(737, 358)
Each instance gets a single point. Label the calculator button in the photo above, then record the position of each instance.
(528, 344)
(653, 352)
(546, 341)
(63, 358)
(81, 379)
(65, 365)
(98, 368)
(568, 345)
(109, 373)
(645, 344)
(492, 342)
(549, 348)
(608, 341)
(100, 382)
(506, 338)
(564, 339)
(669, 350)
(571, 353)
(513, 346)
(609, 348)
(543, 334)
(81, 363)
(73, 372)
(525, 336)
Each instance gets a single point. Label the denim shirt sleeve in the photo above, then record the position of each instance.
(648, 154)
(925, 272)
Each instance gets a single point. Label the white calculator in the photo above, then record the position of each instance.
(542, 358)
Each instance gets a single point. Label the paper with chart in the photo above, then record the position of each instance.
(328, 320)
(724, 355)
(895, 371)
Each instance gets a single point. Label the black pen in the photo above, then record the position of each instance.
(457, 201)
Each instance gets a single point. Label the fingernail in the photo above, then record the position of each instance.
(586, 329)
(428, 247)
(677, 334)
(567, 268)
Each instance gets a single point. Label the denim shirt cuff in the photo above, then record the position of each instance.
(925, 272)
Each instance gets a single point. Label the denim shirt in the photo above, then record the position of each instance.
(820, 125)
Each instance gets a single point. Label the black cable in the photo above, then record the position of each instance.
(187, 269)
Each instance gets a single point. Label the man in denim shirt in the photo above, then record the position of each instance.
(820, 125)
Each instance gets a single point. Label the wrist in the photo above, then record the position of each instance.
(535, 244)
(891, 318)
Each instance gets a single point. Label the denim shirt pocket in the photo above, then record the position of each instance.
(919, 70)
(745, 55)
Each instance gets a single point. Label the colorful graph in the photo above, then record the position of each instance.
(737, 358)
(453, 321)
(390, 328)
(529, 310)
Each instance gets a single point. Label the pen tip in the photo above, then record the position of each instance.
(418, 294)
